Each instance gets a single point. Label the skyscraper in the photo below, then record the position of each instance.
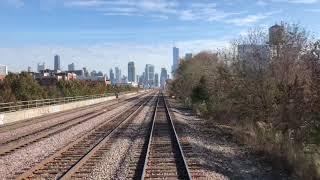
(149, 75)
(175, 54)
(85, 72)
(156, 80)
(57, 62)
(112, 76)
(71, 67)
(3, 70)
(131, 72)
(188, 56)
(118, 75)
(163, 77)
(41, 67)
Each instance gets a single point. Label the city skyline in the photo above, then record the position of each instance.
(72, 67)
(107, 33)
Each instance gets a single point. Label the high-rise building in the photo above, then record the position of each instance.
(29, 69)
(41, 67)
(188, 56)
(57, 62)
(131, 72)
(163, 77)
(3, 70)
(149, 75)
(140, 80)
(111, 74)
(156, 80)
(85, 72)
(93, 73)
(118, 75)
(100, 73)
(71, 67)
(175, 54)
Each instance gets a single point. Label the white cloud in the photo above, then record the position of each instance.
(312, 10)
(248, 20)
(261, 3)
(251, 19)
(13, 3)
(158, 9)
(298, 1)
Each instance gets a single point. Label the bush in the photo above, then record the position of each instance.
(276, 100)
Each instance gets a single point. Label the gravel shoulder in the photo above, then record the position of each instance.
(218, 154)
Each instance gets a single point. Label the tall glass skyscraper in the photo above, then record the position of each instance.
(57, 62)
(175, 53)
(118, 75)
(131, 72)
(149, 75)
(163, 77)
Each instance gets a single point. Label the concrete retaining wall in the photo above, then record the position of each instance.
(11, 117)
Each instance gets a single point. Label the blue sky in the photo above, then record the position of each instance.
(101, 34)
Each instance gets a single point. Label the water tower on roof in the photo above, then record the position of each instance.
(276, 35)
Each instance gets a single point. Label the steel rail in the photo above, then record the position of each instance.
(80, 158)
(176, 139)
(68, 174)
(150, 139)
(18, 142)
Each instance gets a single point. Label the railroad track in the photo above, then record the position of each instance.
(17, 143)
(162, 154)
(69, 162)
(13, 126)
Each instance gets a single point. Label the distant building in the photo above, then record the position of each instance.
(118, 75)
(131, 72)
(71, 67)
(163, 77)
(29, 69)
(99, 73)
(93, 73)
(156, 80)
(3, 71)
(41, 67)
(111, 75)
(276, 34)
(276, 39)
(141, 79)
(77, 72)
(149, 75)
(85, 72)
(175, 58)
(57, 63)
(188, 56)
(124, 79)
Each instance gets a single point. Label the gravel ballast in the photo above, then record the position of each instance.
(116, 161)
(27, 157)
(218, 154)
(46, 121)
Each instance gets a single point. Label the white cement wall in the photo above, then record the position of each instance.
(11, 117)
